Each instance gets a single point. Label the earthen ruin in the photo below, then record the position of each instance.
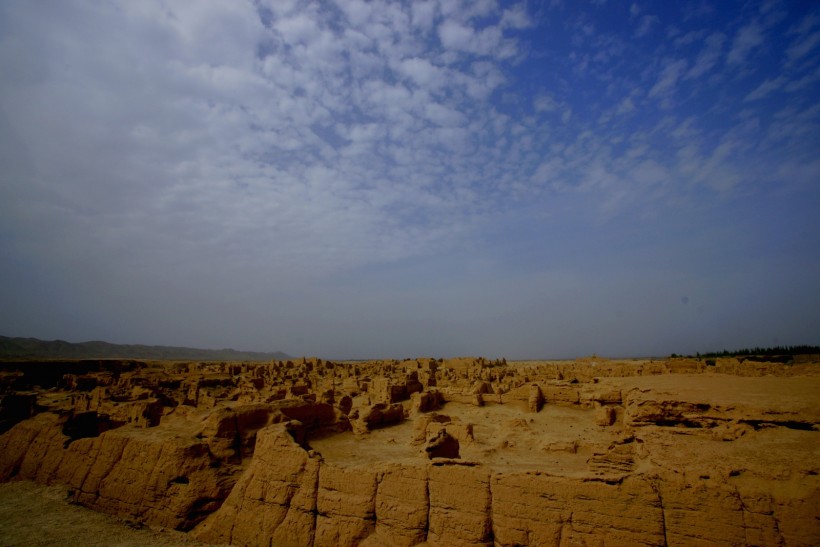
(444, 452)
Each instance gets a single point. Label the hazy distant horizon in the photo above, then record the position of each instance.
(377, 357)
(444, 177)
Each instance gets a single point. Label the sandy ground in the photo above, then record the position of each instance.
(31, 514)
(565, 441)
(506, 439)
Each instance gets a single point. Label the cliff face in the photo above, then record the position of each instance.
(156, 477)
(287, 497)
(292, 454)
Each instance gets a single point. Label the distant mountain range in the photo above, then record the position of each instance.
(32, 348)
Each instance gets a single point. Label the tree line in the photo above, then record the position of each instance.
(758, 351)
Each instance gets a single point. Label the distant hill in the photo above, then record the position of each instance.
(32, 348)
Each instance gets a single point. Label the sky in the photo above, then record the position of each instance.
(350, 179)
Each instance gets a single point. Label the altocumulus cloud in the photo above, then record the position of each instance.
(355, 179)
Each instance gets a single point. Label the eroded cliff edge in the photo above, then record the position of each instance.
(316, 453)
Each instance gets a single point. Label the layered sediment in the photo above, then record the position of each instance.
(447, 452)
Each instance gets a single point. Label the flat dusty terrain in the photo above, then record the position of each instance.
(36, 515)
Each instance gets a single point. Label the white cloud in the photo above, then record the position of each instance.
(466, 10)
(764, 89)
(747, 38)
(709, 55)
(625, 107)
(545, 103)
(456, 36)
(299, 29)
(516, 17)
(689, 38)
(423, 73)
(802, 46)
(358, 12)
(549, 171)
(804, 82)
(668, 79)
(488, 41)
(423, 13)
(443, 116)
(645, 25)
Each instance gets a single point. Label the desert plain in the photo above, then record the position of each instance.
(425, 451)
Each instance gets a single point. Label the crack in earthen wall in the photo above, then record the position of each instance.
(40, 461)
(17, 462)
(148, 503)
(427, 499)
(377, 478)
(233, 521)
(315, 511)
(743, 511)
(32, 443)
(54, 475)
(780, 539)
(237, 438)
(560, 533)
(489, 510)
(564, 523)
(104, 475)
(656, 488)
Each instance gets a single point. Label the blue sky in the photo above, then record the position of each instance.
(386, 179)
